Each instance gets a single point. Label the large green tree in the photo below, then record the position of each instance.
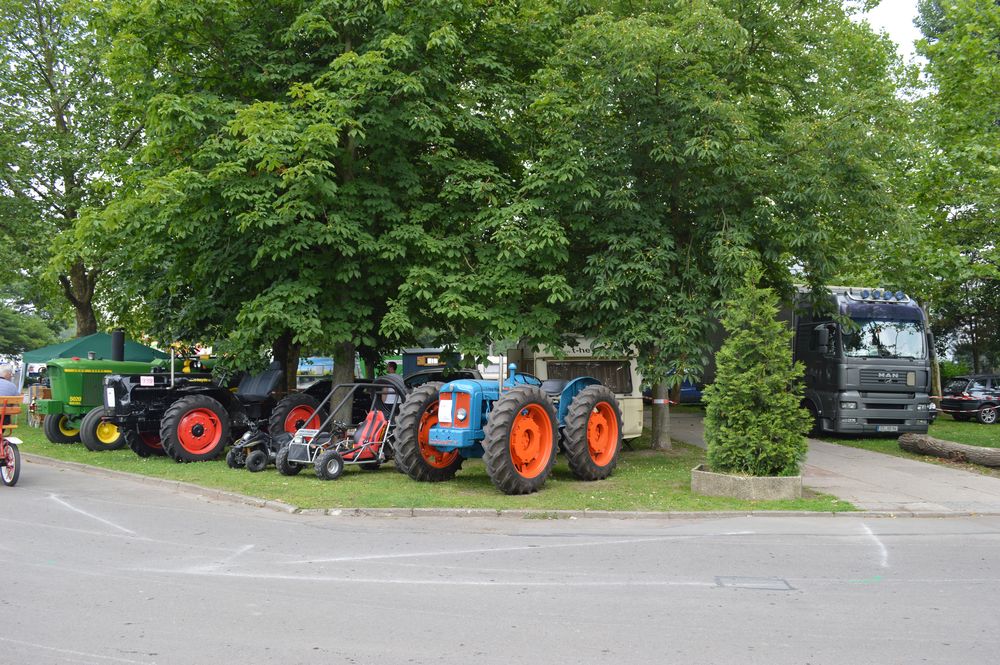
(60, 146)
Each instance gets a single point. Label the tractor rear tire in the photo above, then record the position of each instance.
(519, 448)
(195, 429)
(58, 430)
(294, 412)
(412, 452)
(98, 435)
(144, 444)
(592, 435)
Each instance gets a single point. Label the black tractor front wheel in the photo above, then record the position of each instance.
(99, 434)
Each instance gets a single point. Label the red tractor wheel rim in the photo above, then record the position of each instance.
(439, 459)
(199, 430)
(602, 433)
(151, 439)
(531, 441)
(301, 417)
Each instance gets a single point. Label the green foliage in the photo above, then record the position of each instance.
(753, 423)
(20, 331)
(950, 369)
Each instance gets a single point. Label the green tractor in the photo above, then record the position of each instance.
(74, 411)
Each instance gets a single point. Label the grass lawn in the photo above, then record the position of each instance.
(644, 481)
(945, 428)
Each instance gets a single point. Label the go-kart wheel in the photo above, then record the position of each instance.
(256, 461)
(370, 466)
(236, 458)
(329, 465)
(285, 467)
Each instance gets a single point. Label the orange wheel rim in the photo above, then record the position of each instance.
(531, 441)
(301, 417)
(439, 459)
(199, 430)
(602, 433)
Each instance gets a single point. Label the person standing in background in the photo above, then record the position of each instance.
(7, 386)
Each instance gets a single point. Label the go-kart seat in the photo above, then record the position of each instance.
(371, 429)
(258, 387)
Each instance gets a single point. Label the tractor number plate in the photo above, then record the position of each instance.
(444, 411)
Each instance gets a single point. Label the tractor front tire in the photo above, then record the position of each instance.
(592, 435)
(98, 435)
(519, 447)
(294, 412)
(195, 429)
(58, 429)
(412, 450)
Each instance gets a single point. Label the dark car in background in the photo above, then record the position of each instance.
(968, 397)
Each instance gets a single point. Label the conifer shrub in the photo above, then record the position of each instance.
(753, 422)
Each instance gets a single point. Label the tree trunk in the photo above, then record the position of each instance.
(660, 436)
(957, 452)
(343, 372)
(370, 358)
(78, 287)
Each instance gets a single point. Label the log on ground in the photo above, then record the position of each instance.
(957, 452)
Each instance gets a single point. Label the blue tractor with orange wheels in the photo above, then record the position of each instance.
(516, 427)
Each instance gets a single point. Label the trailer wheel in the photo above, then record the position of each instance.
(593, 433)
(195, 428)
(144, 444)
(59, 429)
(256, 461)
(519, 448)
(285, 467)
(413, 454)
(329, 465)
(98, 434)
(294, 412)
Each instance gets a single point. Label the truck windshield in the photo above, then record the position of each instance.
(885, 339)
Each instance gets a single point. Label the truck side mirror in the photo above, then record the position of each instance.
(823, 339)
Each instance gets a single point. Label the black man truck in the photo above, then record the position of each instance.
(867, 362)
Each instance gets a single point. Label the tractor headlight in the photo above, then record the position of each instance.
(461, 414)
(848, 405)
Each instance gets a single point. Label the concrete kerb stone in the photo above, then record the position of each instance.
(539, 514)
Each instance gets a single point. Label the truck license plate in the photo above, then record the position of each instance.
(887, 428)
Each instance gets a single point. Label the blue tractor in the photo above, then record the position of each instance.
(515, 429)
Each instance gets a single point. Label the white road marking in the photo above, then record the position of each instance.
(90, 515)
(70, 652)
(883, 552)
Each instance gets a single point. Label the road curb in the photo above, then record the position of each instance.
(538, 514)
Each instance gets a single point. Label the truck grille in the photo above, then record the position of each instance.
(883, 377)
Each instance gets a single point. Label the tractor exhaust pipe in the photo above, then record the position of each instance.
(118, 344)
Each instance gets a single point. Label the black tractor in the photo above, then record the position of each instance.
(191, 417)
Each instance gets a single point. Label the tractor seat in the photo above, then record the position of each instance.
(259, 387)
(553, 387)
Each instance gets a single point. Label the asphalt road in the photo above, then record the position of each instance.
(99, 570)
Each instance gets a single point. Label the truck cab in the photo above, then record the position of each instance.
(867, 362)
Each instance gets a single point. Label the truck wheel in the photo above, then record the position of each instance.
(413, 454)
(59, 429)
(285, 467)
(520, 444)
(98, 434)
(987, 415)
(194, 429)
(329, 465)
(294, 412)
(593, 433)
(144, 444)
